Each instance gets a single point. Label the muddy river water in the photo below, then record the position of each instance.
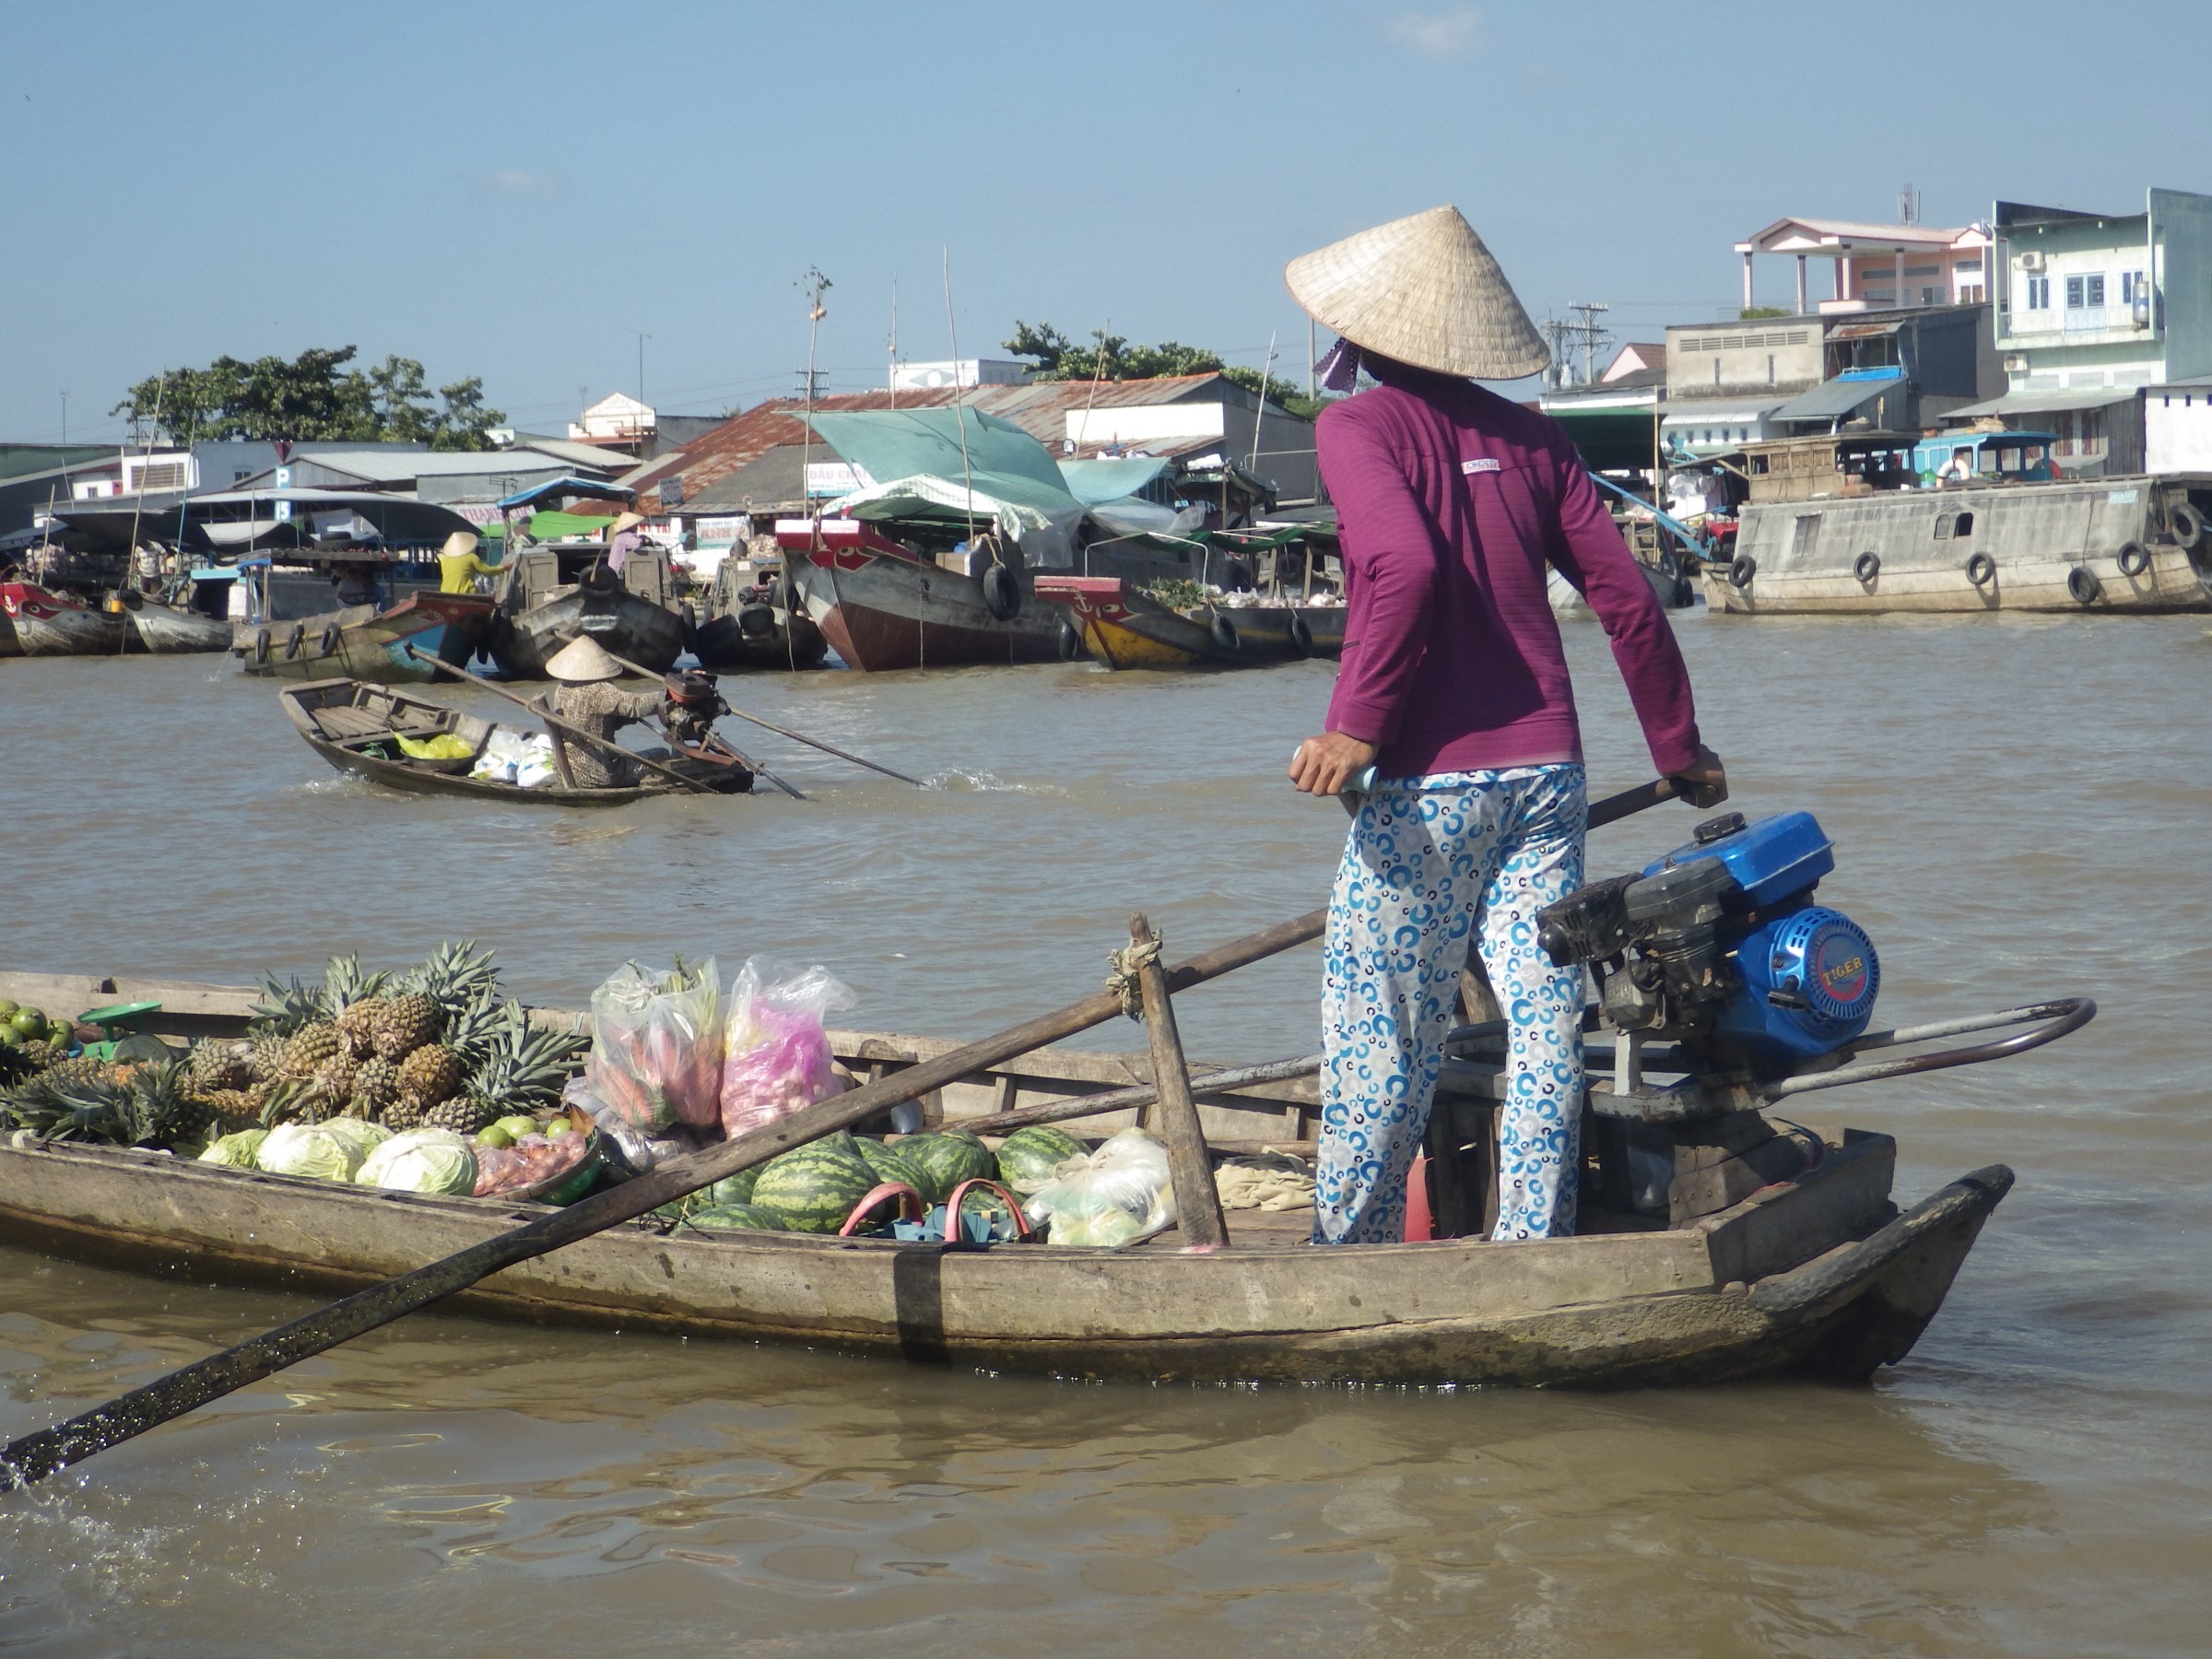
(2021, 807)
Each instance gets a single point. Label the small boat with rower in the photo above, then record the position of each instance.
(1716, 1241)
(391, 737)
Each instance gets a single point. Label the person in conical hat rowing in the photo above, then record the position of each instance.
(1451, 501)
(458, 566)
(584, 695)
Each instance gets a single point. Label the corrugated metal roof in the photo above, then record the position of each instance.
(1039, 408)
(375, 462)
(1832, 399)
(2031, 403)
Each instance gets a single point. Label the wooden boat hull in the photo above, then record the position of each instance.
(1817, 1274)
(164, 629)
(880, 612)
(626, 623)
(43, 625)
(2035, 538)
(1122, 626)
(1719, 1300)
(335, 717)
(361, 643)
(722, 646)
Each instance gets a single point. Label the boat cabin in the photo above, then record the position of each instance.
(1985, 457)
(1850, 464)
(549, 571)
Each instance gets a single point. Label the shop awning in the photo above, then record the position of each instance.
(2042, 403)
(1832, 400)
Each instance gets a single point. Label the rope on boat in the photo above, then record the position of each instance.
(1126, 964)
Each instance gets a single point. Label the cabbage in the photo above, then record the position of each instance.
(309, 1149)
(238, 1151)
(368, 1137)
(422, 1160)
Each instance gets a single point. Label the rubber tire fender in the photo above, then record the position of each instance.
(1301, 637)
(1867, 567)
(1002, 594)
(294, 640)
(1224, 633)
(2083, 584)
(2188, 524)
(328, 645)
(2135, 558)
(1743, 570)
(600, 581)
(1071, 642)
(261, 647)
(1980, 569)
(756, 621)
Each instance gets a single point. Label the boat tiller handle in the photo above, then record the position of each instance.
(2051, 1020)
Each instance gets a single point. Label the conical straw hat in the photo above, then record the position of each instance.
(459, 542)
(582, 660)
(1423, 291)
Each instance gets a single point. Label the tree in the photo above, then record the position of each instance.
(1112, 356)
(314, 396)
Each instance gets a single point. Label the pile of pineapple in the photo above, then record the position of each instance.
(431, 1045)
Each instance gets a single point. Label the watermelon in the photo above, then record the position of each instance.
(1028, 1157)
(889, 1163)
(733, 1189)
(814, 1187)
(736, 1217)
(946, 1158)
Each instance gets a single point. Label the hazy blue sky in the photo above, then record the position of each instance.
(507, 190)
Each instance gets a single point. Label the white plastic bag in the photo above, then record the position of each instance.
(504, 751)
(536, 769)
(1121, 1191)
(776, 1056)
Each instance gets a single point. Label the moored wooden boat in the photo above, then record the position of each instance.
(165, 630)
(50, 624)
(356, 728)
(556, 592)
(1813, 1270)
(1122, 626)
(366, 643)
(882, 607)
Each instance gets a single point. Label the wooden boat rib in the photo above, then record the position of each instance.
(1124, 627)
(355, 727)
(366, 643)
(1816, 1272)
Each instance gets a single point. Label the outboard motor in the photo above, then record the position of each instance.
(1719, 945)
(690, 706)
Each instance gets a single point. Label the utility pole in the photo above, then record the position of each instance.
(642, 337)
(1590, 334)
(64, 417)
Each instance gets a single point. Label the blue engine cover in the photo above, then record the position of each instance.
(1771, 859)
(1822, 966)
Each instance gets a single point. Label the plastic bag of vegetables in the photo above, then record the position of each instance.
(776, 1056)
(310, 1149)
(656, 1046)
(421, 1161)
(1119, 1192)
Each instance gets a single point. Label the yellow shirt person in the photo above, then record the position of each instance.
(458, 566)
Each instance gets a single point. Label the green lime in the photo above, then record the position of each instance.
(27, 1022)
(491, 1134)
(7, 1009)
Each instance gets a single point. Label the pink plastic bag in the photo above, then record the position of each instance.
(776, 1054)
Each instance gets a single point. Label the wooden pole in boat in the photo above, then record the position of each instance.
(1140, 1094)
(36, 1456)
(782, 732)
(1198, 1200)
(553, 720)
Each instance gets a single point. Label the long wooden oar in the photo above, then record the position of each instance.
(827, 748)
(553, 720)
(36, 1456)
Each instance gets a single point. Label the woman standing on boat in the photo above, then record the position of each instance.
(1451, 501)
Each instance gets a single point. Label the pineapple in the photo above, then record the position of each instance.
(375, 1087)
(283, 1009)
(266, 1061)
(404, 1113)
(464, 1114)
(339, 1075)
(215, 1064)
(406, 1023)
(454, 976)
(524, 1068)
(430, 1075)
(165, 1114)
(357, 1025)
(232, 1110)
(287, 1100)
(315, 1044)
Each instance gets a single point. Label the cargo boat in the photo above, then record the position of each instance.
(1795, 1259)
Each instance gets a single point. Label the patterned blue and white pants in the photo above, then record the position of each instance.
(1430, 863)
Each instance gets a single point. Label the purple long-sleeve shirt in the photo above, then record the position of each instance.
(1451, 501)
